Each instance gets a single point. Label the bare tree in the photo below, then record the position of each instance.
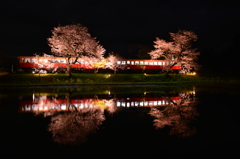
(178, 51)
(74, 42)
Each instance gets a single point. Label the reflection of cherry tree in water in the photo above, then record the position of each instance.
(178, 116)
(74, 127)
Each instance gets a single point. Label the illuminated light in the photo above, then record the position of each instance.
(63, 107)
(145, 103)
(145, 93)
(145, 74)
(136, 104)
(33, 72)
(109, 75)
(118, 104)
(109, 93)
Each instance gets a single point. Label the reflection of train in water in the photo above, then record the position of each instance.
(47, 104)
(48, 63)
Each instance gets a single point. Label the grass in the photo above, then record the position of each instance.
(89, 79)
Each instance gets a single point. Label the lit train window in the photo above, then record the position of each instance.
(132, 62)
(45, 107)
(137, 62)
(141, 103)
(22, 59)
(51, 60)
(145, 63)
(136, 103)
(166, 63)
(166, 102)
(159, 63)
(132, 103)
(150, 103)
(58, 106)
(128, 104)
(63, 107)
(123, 104)
(118, 62)
(163, 63)
(27, 60)
(40, 60)
(151, 63)
(128, 62)
(155, 103)
(163, 102)
(118, 104)
(34, 60)
(34, 107)
(145, 103)
(141, 62)
(28, 107)
(155, 63)
(45, 60)
(63, 61)
(123, 62)
(159, 102)
(57, 61)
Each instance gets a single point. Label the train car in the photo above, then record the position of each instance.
(145, 65)
(49, 63)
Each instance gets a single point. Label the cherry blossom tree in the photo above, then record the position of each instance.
(177, 51)
(177, 115)
(112, 62)
(74, 42)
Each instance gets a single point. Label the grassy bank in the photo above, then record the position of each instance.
(85, 79)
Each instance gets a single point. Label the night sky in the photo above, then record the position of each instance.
(25, 24)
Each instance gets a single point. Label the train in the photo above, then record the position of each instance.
(49, 63)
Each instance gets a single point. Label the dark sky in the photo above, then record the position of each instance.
(26, 24)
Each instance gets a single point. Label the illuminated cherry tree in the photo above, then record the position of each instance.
(74, 42)
(177, 116)
(177, 51)
(112, 62)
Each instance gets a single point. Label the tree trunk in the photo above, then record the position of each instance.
(69, 71)
(167, 74)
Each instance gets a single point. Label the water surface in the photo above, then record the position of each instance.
(143, 121)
